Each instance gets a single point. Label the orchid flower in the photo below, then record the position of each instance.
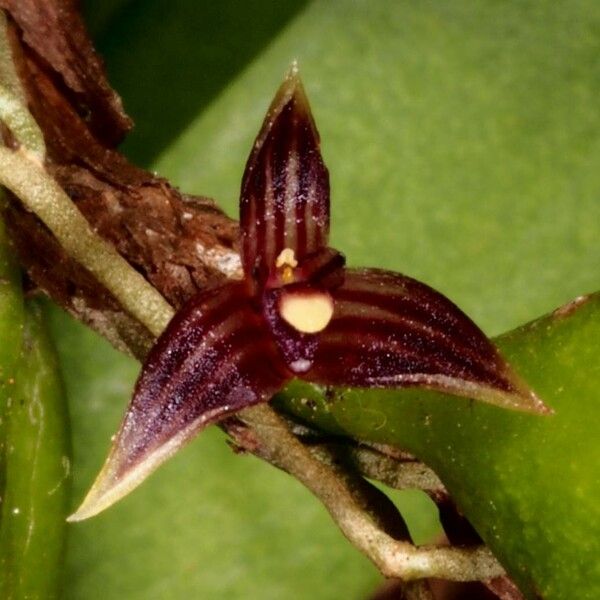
(298, 312)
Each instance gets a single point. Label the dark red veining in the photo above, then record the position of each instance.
(229, 347)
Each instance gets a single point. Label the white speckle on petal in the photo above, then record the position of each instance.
(301, 365)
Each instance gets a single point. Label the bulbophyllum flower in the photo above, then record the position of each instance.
(299, 312)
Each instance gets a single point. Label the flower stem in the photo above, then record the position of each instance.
(397, 474)
(13, 111)
(394, 558)
(29, 181)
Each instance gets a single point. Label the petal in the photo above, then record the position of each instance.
(389, 330)
(285, 190)
(214, 358)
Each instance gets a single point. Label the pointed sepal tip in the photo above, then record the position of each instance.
(109, 487)
(284, 204)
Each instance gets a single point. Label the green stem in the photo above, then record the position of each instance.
(43, 196)
(394, 558)
(13, 109)
(8, 73)
(21, 123)
(397, 474)
(37, 469)
(12, 316)
(11, 308)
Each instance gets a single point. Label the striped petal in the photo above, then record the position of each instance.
(285, 190)
(389, 330)
(215, 358)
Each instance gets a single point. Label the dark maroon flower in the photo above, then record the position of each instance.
(298, 312)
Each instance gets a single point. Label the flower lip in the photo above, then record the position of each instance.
(307, 310)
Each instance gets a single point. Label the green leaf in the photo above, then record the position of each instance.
(36, 468)
(11, 313)
(528, 484)
(12, 316)
(462, 142)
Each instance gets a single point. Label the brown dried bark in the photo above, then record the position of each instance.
(161, 232)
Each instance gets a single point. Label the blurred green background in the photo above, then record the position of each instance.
(463, 141)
